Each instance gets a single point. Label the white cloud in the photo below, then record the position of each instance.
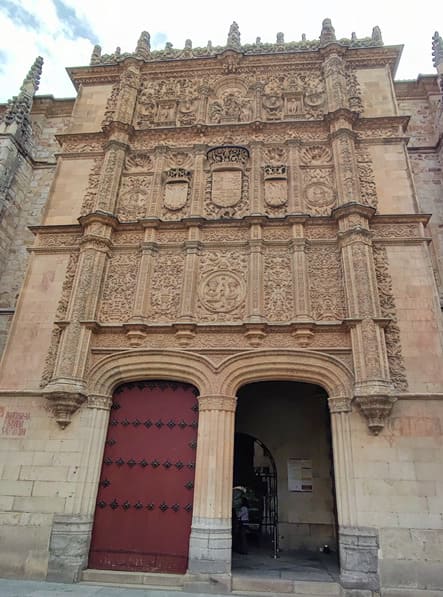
(119, 24)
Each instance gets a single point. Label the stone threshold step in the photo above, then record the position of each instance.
(143, 579)
(263, 586)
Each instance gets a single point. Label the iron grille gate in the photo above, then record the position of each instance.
(144, 503)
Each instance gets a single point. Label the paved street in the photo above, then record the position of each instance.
(31, 588)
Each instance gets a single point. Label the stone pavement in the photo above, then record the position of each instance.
(33, 588)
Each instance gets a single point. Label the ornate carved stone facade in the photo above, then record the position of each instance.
(221, 216)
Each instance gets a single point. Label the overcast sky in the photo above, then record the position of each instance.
(64, 31)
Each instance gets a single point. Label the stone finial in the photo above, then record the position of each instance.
(353, 36)
(280, 38)
(188, 44)
(303, 36)
(96, 55)
(437, 49)
(258, 41)
(143, 49)
(376, 35)
(327, 34)
(117, 52)
(19, 107)
(234, 37)
(209, 45)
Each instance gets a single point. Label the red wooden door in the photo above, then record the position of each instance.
(144, 503)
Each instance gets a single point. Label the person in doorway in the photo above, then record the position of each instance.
(242, 520)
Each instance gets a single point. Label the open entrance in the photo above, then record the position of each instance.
(283, 475)
(144, 504)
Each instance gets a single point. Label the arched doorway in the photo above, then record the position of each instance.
(255, 483)
(291, 419)
(144, 505)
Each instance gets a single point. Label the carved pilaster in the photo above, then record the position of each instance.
(295, 202)
(129, 85)
(110, 175)
(66, 390)
(334, 70)
(256, 188)
(156, 195)
(255, 283)
(148, 252)
(345, 163)
(189, 290)
(198, 180)
(373, 388)
(302, 309)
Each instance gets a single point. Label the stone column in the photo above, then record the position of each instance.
(210, 543)
(189, 290)
(255, 282)
(358, 545)
(71, 532)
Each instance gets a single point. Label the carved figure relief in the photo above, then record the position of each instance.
(119, 287)
(133, 198)
(326, 283)
(167, 282)
(222, 287)
(278, 291)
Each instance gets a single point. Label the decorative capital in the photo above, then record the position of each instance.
(217, 402)
(99, 401)
(376, 408)
(339, 404)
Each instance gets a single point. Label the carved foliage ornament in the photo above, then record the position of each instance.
(397, 368)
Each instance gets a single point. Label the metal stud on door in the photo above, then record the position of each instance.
(144, 502)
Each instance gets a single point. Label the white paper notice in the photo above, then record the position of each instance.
(299, 474)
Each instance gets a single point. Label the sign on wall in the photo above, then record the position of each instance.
(299, 474)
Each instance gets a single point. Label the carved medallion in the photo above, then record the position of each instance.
(221, 291)
(319, 194)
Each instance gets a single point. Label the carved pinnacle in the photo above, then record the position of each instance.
(437, 49)
(143, 49)
(234, 37)
(327, 34)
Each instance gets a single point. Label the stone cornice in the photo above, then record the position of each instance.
(419, 88)
(305, 56)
